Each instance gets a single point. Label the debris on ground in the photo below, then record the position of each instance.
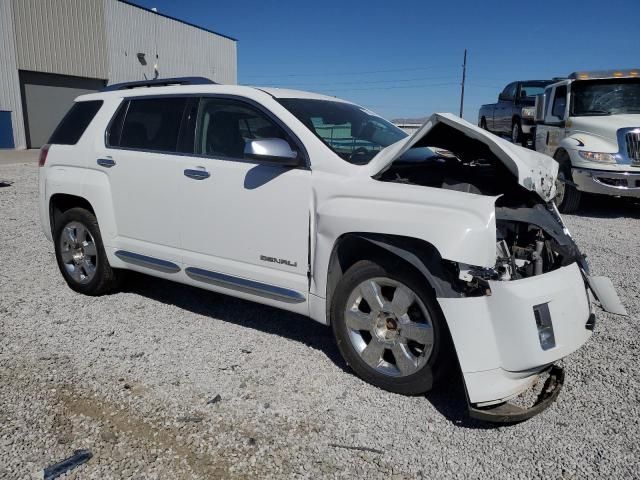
(78, 458)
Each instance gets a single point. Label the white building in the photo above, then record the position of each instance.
(54, 50)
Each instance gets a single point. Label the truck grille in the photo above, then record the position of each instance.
(633, 146)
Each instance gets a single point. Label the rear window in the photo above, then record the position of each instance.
(75, 122)
(151, 124)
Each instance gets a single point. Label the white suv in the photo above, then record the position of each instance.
(420, 258)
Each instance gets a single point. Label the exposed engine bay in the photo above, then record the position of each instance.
(530, 237)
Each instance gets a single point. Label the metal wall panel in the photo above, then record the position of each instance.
(65, 37)
(9, 83)
(181, 49)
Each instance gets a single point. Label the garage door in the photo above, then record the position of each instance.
(46, 98)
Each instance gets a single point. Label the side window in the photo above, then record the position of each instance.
(151, 124)
(224, 127)
(74, 123)
(559, 102)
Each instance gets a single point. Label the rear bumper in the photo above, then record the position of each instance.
(496, 336)
(622, 184)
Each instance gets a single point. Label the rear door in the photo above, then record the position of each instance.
(244, 224)
(141, 158)
(504, 109)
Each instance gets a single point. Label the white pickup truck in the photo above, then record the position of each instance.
(590, 123)
(421, 259)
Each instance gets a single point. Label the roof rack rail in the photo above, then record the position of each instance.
(159, 82)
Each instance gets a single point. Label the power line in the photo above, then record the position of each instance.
(361, 72)
(360, 82)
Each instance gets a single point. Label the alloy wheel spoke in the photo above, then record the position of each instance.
(77, 273)
(81, 234)
(89, 268)
(69, 235)
(67, 256)
(418, 332)
(403, 298)
(405, 361)
(357, 320)
(89, 249)
(372, 293)
(372, 353)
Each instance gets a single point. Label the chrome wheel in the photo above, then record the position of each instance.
(78, 252)
(389, 327)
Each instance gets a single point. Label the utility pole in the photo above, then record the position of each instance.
(464, 76)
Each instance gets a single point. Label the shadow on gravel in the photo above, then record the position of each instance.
(600, 206)
(449, 402)
(240, 312)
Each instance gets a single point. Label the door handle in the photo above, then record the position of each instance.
(106, 162)
(196, 174)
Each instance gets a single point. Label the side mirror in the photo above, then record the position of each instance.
(274, 151)
(540, 100)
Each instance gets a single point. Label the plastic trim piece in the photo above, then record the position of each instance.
(147, 262)
(244, 285)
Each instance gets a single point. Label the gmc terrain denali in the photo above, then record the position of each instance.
(422, 252)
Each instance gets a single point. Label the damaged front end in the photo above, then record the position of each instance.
(512, 320)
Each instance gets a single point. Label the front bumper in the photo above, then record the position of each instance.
(527, 125)
(496, 337)
(604, 182)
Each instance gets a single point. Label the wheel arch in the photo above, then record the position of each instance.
(61, 202)
(417, 254)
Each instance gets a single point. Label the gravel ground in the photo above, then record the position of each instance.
(135, 378)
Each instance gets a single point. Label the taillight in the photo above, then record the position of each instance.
(43, 155)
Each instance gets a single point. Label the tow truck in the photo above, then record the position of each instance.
(590, 123)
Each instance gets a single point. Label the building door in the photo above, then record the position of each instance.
(46, 98)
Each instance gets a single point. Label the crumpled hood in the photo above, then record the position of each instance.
(534, 171)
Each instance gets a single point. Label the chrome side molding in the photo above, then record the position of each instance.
(147, 262)
(244, 285)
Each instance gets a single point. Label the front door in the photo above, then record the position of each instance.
(244, 225)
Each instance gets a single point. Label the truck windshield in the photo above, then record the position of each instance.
(353, 132)
(605, 97)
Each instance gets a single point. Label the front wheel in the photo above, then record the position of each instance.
(389, 329)
(567, 197)
(517, 136)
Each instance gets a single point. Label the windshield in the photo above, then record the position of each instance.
(605, 97)
(353, 132)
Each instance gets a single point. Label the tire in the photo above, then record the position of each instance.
(80, 253)
(517, 137)
(483, 123)
(401, 365)
(567, 197)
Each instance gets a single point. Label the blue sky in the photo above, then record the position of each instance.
(403, 59)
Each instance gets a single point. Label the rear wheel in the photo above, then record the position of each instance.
(389, 329)
(80, 253)
(483, 123)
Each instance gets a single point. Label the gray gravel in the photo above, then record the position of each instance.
(134, 377)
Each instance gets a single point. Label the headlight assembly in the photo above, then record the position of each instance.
(597, 156)
(528, 112)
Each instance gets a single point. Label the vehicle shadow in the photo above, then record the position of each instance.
(449, 400)
(601, 206)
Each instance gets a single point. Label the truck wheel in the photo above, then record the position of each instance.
(483, 123)
(80, 253)
(516, 134)
(389, 329)
(567, 196)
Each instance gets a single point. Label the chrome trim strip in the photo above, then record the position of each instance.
(147, 262)
(244, 285)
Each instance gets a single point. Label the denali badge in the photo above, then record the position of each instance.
(281, 261)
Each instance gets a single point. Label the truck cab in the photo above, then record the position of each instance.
(590, 123)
